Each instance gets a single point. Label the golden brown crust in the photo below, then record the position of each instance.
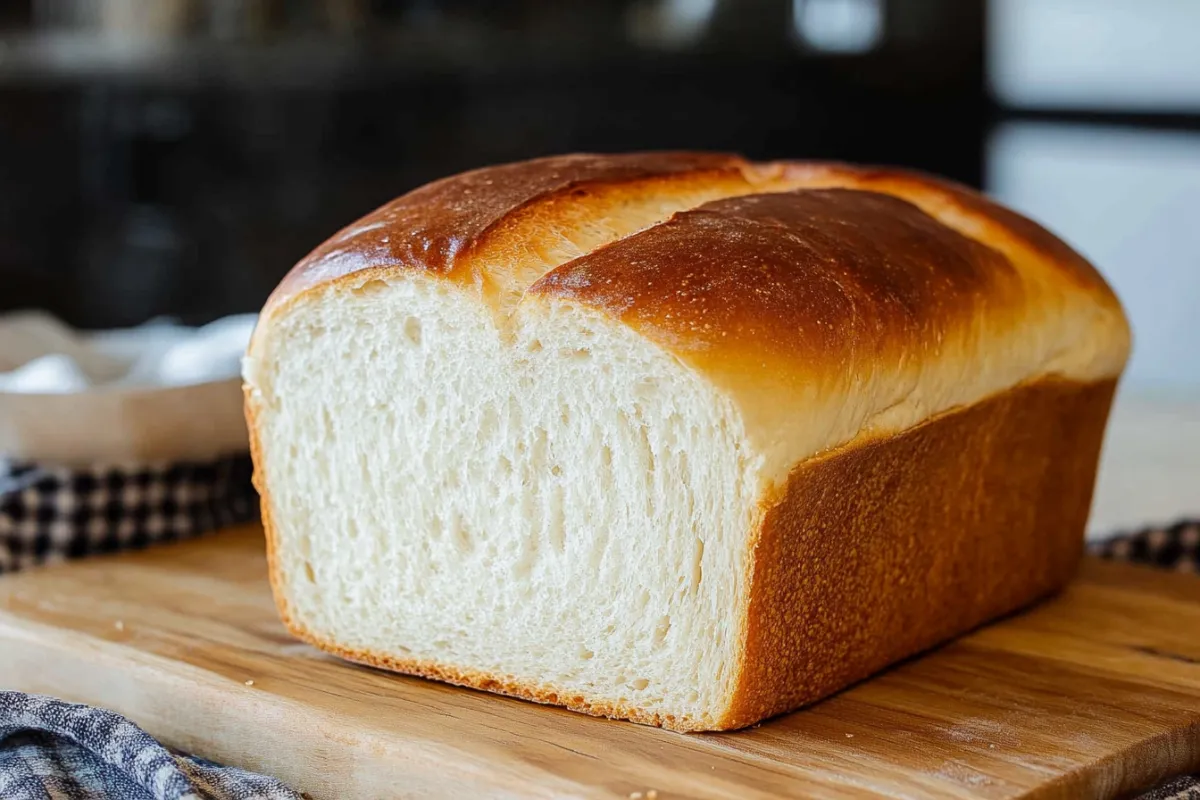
(438, 227)
(887, 548)
(834, 276)
(958, 206)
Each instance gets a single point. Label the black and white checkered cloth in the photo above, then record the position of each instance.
(51, 513)
(1175, 547)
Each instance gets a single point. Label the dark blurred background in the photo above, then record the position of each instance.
(176, 157)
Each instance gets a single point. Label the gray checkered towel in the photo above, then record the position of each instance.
(52, 750)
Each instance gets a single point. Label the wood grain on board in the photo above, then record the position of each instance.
(1095, 693)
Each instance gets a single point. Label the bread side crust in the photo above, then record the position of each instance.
(891, 546)
(1042, 438)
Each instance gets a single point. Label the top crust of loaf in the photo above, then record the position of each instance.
(830, 301)
(819, 275)
(450, 226)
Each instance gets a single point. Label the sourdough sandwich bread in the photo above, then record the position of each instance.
(676, 437)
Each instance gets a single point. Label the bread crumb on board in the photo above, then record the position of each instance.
(119, 625)
(649, 794)
(249, 683)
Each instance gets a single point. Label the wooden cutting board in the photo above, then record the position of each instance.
(1095, 693)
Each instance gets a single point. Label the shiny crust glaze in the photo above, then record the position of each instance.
(438, 227)
(824, 275)
(964, 209)
(478, 227)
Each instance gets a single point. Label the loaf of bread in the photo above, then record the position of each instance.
(676, 438)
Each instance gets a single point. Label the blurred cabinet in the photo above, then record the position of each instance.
(178, 156)
(1099, 137)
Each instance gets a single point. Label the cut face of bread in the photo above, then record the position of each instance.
(540, 440)
(562, 506)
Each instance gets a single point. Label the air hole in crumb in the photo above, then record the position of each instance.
(462, 538)
(639, 684)
(606, 456)
(578, 354)
(643, 599)
(535, 346)
(412, 330)
(308, 572)
(422, 406)
(586, 654)
(441, 644)
(524, 566)
(662, 629)
(370, 287)
(540, 445)
(697, 565)
(556, 471)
